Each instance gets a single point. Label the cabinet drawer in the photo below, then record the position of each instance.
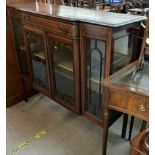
(66, 29)
(130, 104)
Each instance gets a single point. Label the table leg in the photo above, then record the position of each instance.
(124, 127)
(131, 127)
(105, 122)
(105, 133)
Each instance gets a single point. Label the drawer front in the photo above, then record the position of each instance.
(66, 29)
(100, 32)
(130, 104)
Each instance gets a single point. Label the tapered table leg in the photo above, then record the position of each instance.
(124, 126)
(131, 127)
(105, 122)
(105, 133)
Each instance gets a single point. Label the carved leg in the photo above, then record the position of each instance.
(131, 127)
(124, 127)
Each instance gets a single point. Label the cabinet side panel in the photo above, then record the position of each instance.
(13, 88)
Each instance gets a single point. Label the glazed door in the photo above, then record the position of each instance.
(64, 70)
(36, 45)
(95, 66)
(95, 72)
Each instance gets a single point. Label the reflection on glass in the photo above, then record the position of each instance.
(36, 46)
(95, 74)
(140, 81)
(19, 43)
(122, 52)
(62, 54)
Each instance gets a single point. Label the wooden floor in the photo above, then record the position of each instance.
(68, 133)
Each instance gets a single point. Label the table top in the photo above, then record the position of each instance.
(99, 17)
(123, 80)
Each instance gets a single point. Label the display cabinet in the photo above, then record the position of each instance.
(70, 51)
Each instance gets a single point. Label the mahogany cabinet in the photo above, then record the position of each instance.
(67, 52)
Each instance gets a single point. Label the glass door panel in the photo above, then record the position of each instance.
(38, 59)
(61, 55)
(19, 43)
(95, 74)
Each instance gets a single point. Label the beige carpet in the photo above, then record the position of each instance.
(68, 133)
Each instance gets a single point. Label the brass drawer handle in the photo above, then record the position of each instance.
(141, 107)
(63, 30)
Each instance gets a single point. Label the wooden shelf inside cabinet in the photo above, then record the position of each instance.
(64, 64)
(39, 54)
(63, 61)
(66, 67)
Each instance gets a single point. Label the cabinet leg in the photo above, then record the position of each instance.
(144, 123)
(105, 121)
(131, 127)
(124, 127)
(105, 133)
(25, 92)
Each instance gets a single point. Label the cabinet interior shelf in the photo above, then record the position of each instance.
(63, 62)
(95, 79)
(39, 54)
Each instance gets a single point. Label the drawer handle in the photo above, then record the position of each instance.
(27, 17)
(141, 107)
(63, 30)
